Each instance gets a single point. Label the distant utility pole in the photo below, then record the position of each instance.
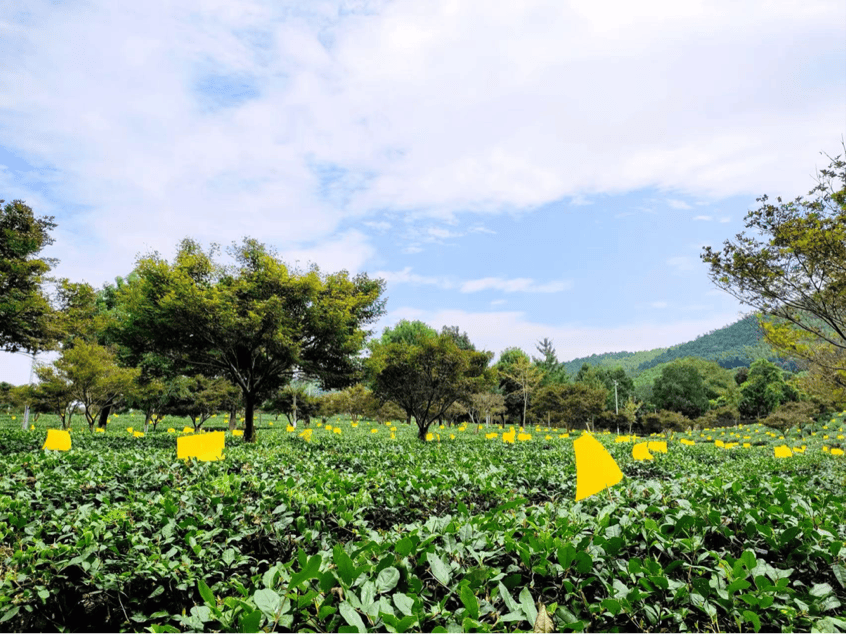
(616, 407)
(25, 424)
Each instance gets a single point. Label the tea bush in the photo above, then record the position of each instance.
(357, 530)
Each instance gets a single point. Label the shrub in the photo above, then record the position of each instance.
(793, 414)
(719, 417)
(665, 420)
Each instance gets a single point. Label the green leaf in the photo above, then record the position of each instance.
(566, 553)
(439, 568)
(207, 594)
(528, 605)
(250, 622)
(344, 565)
(268, 602)
(737, 584)
(839, 574)
(510, 603)
(404, 603)
(612, 605)
(752, 618)
(387, 579)
(351, 616)
(9, 614)
(470, 602)
(820, 590)
(404, 546)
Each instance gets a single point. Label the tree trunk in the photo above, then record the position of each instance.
(249, 423)
(104, 415)
(147, 417)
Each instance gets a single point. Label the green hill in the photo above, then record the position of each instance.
(732, 346)
(629, 361)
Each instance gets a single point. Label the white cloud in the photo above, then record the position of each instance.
(706, 218)
(405, 276)
(658, 304)
(496, 331)
(350, 251)
(677, 204)
(725, 219)
(498, 302)
(520, 284)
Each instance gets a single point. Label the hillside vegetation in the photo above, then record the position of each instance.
(735, 345)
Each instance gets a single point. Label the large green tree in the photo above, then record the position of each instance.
(764, 390)
(255, 322)
(795, 272)
(425, 378)
(26, 317)
(680, 388)
(92, 376)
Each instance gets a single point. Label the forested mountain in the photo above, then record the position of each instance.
(738, 344)
(732, 346)
(629, 361)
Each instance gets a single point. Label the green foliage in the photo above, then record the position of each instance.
(792, 414)
(719, 417)
(680, 388)
(427, 377)
(737, 344)
(359, 532)
(256, 323)
(86, 373)
(665, 421)
(26, 317)
(629, 361)
(764, 390)
(796, 272)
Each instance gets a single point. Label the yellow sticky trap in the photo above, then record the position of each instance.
(657, 447)
(596, 469)
(641, 452)
(57, 440)
(237, 432)
(718, 443)
(138, 434)
(623, 439)
(687, 442)
(783, 452)
(187, 430)
(203, 447)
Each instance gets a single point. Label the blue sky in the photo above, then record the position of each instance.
(547, 169)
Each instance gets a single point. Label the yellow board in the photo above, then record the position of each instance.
(783, 452)
(203, 447)
(188, 430)
(57, 440)
(657, 447)
(641, 452)
(596, 469)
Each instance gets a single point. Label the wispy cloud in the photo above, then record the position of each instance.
(516, 285)
(405, 276)
(658, 304)
(705, 218)
(725, 219)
